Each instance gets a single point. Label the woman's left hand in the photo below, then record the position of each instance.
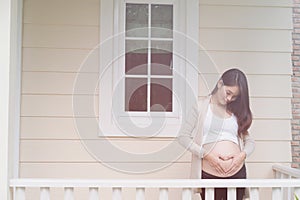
(237, 161)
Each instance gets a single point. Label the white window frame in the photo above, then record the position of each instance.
(112, 24)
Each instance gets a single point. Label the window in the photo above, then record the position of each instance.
(144, 66)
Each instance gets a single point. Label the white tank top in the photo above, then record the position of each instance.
(217, 129)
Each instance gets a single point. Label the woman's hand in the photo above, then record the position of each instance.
(215, 161)
(237, 161)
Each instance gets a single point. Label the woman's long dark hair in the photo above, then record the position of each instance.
(240, 107)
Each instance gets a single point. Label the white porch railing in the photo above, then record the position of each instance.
(285, 172)
(18, 186)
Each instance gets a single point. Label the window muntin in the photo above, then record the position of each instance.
(149, 58)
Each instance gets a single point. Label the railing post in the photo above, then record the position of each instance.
(140, 193)
(254, 193)
(186, 194)
(209, 193)
(44, 193)
(117, 194)
(163, 194)
(276, 193)
(20, 193)
(69, 193)
(284, 190)
(94, 195)
(231, 193)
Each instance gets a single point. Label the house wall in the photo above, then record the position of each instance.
(254, 36)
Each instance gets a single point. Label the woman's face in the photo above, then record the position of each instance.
(227, 94)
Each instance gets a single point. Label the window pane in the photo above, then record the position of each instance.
(161, 58)
(161, 21)
(161, 95)
(135, 94)
(136, 57)
(137, 20)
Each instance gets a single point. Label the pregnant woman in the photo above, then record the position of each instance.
(216, 133)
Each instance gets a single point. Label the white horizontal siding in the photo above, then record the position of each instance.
(271, 108)
(71, 12)
(259, 85)
(250, 62)
(137, 151)
(246, 40)
(87, 83)
(268, 3)
(261, 170)
(99, 171)
(212, 16)
(60, 36)
(272, 130)
(60, 83)
(74, 151)
(60, 60)
(57, 128)
(59, 105)
(65, 128)
(271, 151)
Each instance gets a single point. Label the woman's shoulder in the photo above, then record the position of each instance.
(203, 101)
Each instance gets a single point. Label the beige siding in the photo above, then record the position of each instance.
(74, 151)
(270, 3)
(58, 105)
(246, 40)
(254, 36)
(59, 83)
(259, 85)
(60, 36)
(263, 63)
(220, 16)
(59, 60)
(65, 128)
(85, 13)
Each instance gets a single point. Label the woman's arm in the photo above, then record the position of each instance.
(249, 144)
(188, 132)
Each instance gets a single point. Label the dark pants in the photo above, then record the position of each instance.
(221, 193)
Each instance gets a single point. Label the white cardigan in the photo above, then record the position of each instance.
(190, 136)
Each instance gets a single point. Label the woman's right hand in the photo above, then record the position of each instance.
(215, 161)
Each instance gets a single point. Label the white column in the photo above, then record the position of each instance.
(5, 21)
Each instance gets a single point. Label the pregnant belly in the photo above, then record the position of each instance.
(222, 148)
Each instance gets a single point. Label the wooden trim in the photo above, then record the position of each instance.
(15, 83)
